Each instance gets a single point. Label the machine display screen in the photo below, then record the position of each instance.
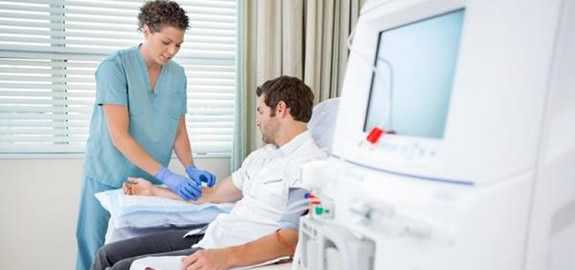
(413, 77)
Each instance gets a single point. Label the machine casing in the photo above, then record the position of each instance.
(497, 191)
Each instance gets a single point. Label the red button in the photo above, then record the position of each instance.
(374, 135)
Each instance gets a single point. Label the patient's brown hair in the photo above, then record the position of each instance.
(297, 96)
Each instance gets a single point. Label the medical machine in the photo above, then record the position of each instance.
(454, 146)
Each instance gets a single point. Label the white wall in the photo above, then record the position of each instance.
(38, 210)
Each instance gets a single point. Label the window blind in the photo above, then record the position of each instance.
(49, 51)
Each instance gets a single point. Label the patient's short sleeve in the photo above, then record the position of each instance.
(253, 163)
(240, 176)
(111, 85)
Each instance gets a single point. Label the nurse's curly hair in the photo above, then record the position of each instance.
(158, 13)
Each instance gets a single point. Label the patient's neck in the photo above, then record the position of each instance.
(286, 133)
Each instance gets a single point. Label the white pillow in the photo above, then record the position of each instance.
(129, 211)
(322, 123)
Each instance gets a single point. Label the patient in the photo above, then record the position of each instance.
(260, 227)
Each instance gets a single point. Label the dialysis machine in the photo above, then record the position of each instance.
(454, 146)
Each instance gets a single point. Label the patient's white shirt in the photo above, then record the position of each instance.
(265, 179)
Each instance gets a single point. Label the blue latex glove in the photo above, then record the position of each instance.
(201, 175)
(188, 189)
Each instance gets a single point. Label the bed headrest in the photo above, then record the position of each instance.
(322, 123)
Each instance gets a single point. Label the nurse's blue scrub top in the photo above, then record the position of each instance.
(122, 78)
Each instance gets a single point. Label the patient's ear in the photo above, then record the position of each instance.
(282, 109)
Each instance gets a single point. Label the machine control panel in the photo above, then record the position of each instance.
(411, 151)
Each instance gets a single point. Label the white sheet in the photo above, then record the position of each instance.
(138, 215)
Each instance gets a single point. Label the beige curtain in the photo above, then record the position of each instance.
(302, 38)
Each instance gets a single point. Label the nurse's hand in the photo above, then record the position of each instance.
(186, 188)
(201, 175)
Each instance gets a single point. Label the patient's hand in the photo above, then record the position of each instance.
(142, 187)
(138, 186)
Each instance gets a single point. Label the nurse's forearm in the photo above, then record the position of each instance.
(118, 122)
(136, 154)
(182, 144)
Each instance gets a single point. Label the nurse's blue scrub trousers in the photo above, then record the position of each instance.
(92, 223)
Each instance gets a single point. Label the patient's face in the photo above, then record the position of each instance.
(268, 125)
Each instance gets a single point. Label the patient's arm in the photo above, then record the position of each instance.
(269, 247)
(225, 191)
(142, 187)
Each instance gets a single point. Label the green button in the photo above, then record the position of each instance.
(319, 210)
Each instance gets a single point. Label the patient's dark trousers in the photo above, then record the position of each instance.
(120, 255)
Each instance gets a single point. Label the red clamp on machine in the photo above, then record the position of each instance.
(375, 134)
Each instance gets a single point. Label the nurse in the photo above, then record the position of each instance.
(138, 120)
